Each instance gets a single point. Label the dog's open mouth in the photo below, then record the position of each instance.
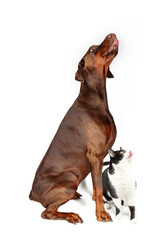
(115, 42)
(113, 49)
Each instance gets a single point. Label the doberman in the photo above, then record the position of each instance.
(82, 140)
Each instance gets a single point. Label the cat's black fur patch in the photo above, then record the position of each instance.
(108, 187)
(117, 210)
(111, 169)
(118, 156)
(132, 210)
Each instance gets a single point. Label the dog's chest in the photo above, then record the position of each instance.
(97, 135)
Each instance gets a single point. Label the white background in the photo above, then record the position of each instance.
(41, 43)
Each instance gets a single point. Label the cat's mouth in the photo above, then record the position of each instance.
(130, 153)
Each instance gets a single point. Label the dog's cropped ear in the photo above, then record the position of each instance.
(109, 74)
(111, 152)
(79, 75)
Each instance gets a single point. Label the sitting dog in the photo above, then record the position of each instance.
(119, 182)
(82, 140)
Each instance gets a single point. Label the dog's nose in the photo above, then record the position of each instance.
(112, 35)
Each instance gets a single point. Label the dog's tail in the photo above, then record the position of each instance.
(106, 163)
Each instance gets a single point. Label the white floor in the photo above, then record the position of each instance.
(21, 219)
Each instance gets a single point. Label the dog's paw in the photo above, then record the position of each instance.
(103, 216)
(74, 218)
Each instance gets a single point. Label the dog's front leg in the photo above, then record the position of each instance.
(96, 173)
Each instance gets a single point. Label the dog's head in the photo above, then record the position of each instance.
(96, 62)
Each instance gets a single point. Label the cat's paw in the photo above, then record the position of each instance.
(107, 206)
(133, 221)
(118, 216)
(125, 203)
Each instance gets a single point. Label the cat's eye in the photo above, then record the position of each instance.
(121, 152)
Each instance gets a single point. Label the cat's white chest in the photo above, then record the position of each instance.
(123, 180)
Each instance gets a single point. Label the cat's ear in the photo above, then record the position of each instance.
(120, 148)
(111, 152)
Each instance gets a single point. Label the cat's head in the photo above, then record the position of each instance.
(120, 155)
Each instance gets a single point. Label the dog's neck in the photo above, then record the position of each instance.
(93, 93)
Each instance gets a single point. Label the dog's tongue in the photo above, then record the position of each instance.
(116, 42)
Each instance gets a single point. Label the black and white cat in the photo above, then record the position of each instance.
(119, 183)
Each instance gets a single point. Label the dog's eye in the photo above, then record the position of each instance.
(82, 63)
(92, 50)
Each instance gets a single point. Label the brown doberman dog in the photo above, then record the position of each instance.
(82, 140)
